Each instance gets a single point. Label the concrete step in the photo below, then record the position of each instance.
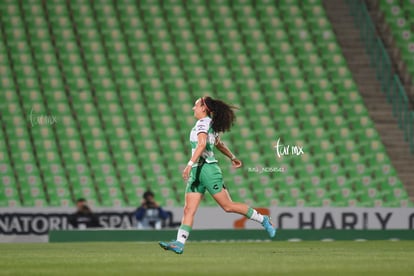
(376, 96)
(374, 88)
(358, 60)
(351, 50)
(383, 120)
(404, 171)
(350, 36)
(381, 109)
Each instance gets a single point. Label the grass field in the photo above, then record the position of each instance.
(238, 258)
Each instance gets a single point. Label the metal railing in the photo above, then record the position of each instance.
(380, 60)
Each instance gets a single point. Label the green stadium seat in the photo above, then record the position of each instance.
(122, 77)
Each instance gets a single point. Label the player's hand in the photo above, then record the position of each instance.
(236, 163)
(186, 172)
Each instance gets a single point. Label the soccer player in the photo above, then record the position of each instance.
(202, 172)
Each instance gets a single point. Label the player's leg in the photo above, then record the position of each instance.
(193, 195)
(224, 200)
(228, 205)
(213, 176)
(192, 201)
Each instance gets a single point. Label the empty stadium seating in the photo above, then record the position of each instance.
(96, 101)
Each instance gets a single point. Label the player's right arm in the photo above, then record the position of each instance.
(201, 145)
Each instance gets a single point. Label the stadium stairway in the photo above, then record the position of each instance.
(386, 33)
(379, 110)
(394, 37)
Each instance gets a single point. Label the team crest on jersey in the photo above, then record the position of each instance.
(201, 127)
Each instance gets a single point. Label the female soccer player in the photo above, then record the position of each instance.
(202, 172)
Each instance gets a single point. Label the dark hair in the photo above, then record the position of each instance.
(147, 194)
(222, 114)
(79, 200)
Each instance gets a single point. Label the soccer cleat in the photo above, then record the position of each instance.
(267, 224)
(175, 246)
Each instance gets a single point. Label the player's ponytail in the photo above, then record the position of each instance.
(221, 113)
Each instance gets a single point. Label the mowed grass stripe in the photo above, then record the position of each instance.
(214, 258)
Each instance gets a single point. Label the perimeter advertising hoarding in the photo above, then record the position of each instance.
(33, 224)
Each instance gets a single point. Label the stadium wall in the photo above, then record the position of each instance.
(227, 235)
(33, 225)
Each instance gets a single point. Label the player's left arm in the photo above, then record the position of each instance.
(227, 152)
